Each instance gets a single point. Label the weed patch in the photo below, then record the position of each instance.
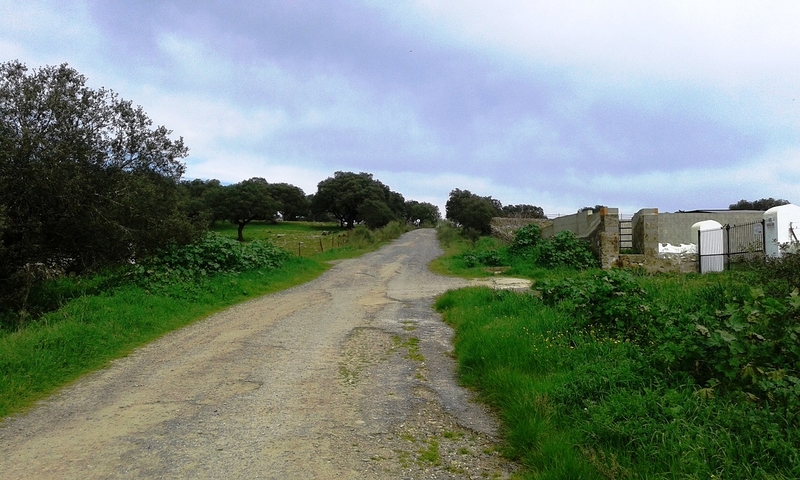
(605, 374)
(528, 252)
(430, 453)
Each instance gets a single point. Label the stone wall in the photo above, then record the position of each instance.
(604, 238)
(504, 227)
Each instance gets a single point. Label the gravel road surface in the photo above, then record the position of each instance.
(349, 376)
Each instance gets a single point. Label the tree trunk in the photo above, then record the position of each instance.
(241, 227)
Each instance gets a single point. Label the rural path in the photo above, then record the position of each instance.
(348, 376)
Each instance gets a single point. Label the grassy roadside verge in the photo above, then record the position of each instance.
(90, 330)
(612, 375)
(453, 244)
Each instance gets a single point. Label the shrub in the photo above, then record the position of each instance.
(446, 233)
(213, 254)
(488, 258)
(565, 250)
(391, 231)
(782, 273)
(611, 301)
(361, 236)
(740, 342)
(526, 238)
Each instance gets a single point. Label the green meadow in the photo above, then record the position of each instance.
(616, 374)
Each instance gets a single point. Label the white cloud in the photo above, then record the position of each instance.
(731, 42)
(774, 174)
(234, 166)
(204, 121)
(46, 33)
(731, 63)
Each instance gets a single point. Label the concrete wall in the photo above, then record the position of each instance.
(649, 228)
(676, 228)
(645, 231)
(581, 224)
(683, 263)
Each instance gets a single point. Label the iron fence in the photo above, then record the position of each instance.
(718, 248)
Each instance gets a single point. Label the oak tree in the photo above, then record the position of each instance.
(355, 197)
(243, 202)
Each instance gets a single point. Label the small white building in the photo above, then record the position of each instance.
(710, 244)
(781, 229)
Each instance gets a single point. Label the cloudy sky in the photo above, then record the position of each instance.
(557, 103)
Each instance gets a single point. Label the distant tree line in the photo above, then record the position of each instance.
(348, 198)
(88, 182)
(762, 204)
(474, 213)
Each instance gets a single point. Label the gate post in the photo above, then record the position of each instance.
(699, 253)
(728, 245)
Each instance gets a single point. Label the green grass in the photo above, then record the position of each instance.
(578, 403)
(304, 238)
(430, 453)
(94, 326)
(454, 245)
(324, 242)
(513, 360)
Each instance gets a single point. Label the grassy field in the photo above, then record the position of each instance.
(92, 328)
(305, 239)
(611, 375)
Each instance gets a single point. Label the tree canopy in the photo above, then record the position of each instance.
(762, 204)
(198, 197)
(243, 202)
(472, 211)
(352, 198)
(293, 201)
(85, 178)
(421, 213)
(522, 211)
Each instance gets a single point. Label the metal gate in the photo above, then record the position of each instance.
(717, 249)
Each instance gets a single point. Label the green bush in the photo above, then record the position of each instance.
(611, 301)
(728, 339)
(361, 236)
(213, 254)
(488, 258)
(565, 250)
(391, 231)
(526, 238)
(446, 233)
(780, 273)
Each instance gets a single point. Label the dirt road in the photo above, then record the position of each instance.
(346, 377)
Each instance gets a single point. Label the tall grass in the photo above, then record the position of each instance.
(513, 352)
(578, 401)
(599, 374)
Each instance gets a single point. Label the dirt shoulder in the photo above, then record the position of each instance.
(348, 376)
